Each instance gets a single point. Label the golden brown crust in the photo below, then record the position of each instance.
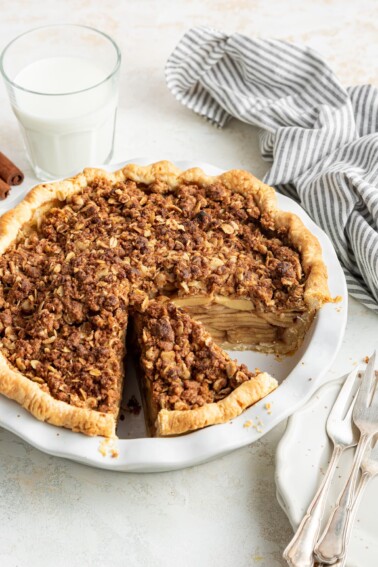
(45, 408)
(35, 203)
(28, 394)
(245, 395)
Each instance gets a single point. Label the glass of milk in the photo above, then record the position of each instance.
(62, 82)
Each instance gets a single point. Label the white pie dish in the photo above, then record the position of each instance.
(303, 373)
(304, 452)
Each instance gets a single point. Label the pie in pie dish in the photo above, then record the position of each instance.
(75, 254)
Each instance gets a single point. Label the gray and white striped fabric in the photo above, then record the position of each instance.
(321, 138)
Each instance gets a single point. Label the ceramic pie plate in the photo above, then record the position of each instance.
(299, 375)
(302, 458)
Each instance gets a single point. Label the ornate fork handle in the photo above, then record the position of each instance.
(299, 552)
(332, 544)
(364, 481)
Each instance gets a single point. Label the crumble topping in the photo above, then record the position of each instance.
(206, 240)
(65, 284)
(184, 367)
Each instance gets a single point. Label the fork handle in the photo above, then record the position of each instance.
(332, 544)
(364, 481)
(299, 552)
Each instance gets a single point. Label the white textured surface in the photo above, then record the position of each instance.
(305, 452)
(224, 513)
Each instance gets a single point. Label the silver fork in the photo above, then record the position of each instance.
(332, 544)
(299, 552)
(369, 469)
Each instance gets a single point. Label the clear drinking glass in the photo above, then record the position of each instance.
(62, 82)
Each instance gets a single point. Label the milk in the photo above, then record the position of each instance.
(65, 130)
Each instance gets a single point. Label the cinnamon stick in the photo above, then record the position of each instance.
(4, 190)
(9, 172)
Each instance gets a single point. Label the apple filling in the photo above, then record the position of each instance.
(235, 324)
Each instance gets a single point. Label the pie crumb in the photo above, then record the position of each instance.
(256, 426)
(366, 359)
(107, 447)
(102, 446)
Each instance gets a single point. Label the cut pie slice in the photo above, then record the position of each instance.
(188, 381)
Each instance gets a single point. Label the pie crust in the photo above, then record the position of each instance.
(177, 422)
(15, 385)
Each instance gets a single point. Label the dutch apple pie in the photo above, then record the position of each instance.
(193, 264)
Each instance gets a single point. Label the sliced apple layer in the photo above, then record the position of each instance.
(234, 324)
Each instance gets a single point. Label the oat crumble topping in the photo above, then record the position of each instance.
(65, 286)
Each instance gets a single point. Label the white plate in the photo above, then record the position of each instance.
(303, 453)
(300, 374)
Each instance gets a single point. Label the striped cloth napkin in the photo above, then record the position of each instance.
(321, 138)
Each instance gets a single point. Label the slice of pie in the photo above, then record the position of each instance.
(72, 252)
(188, 381)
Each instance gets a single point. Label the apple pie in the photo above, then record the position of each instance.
(72, 253)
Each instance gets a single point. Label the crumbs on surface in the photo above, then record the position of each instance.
(256, 426)
(366, 359)
(108, 446)
(103, 446)
(268, 407)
